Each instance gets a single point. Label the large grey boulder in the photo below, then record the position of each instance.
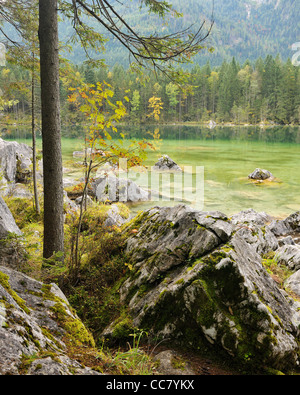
(289, 255)
(7, 222)
(253, 226)
(115, 189)
(252, 217)
(18, 190)
(114, 217)
(15, 160)
(36, 321)
(293, 283)
(197, 278)
(286, 226)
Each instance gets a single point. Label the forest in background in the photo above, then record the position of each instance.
(266, 91)
(246, 29)
(92, 263)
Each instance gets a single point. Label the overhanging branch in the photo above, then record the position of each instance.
(179, 46)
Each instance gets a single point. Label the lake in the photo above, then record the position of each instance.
(216, 163)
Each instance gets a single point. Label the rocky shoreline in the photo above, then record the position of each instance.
(201, 280)
(196, 278)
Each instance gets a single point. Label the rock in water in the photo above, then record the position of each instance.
(261, 174)
(197, 278)
(165, 163)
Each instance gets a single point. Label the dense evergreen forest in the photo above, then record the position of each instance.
(266, 91)
(246, 29)
(115, 259)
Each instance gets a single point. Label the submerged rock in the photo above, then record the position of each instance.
(197, 278)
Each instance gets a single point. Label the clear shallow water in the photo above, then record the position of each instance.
(227, 155)
(227, 165)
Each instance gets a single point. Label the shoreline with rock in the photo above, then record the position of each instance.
(202, 280)
(198, 280)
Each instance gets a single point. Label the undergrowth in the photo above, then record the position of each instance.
(94, 292)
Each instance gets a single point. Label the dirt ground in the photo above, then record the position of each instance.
(200, 365)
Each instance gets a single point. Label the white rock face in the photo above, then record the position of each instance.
(7, 222)
(30, 328)
(15, 160)
(165, 163)
(198, 277)
(114, 189)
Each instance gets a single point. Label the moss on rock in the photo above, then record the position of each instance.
(197, 280)
(73, 326)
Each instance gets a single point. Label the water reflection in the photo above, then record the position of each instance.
(274, 134)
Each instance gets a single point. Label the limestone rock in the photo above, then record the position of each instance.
(165, 163)
(7, 222)
(114, 217)
(250, 216)
(68, 182)
(253, 227)
(35, 320)
(261, 174)
(197, 278)
(89, 201)
(3, 184)
(15, 160)
(87, 152)
(289, 255)
(116, 189)
(286, 240)
(69, 205)
(286, 226)
(64, 367)
(18, 190)
(293, 283)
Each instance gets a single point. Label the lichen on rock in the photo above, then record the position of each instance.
(36, 323)
(197, 278)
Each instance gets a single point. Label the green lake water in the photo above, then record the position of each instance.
(226, 155)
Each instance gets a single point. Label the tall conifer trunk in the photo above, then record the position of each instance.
(51, 133)
(33, 134)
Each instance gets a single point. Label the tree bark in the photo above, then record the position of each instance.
(36, 196)
(51, 133)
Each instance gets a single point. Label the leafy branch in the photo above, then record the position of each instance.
(154, 50)
(103, 115)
